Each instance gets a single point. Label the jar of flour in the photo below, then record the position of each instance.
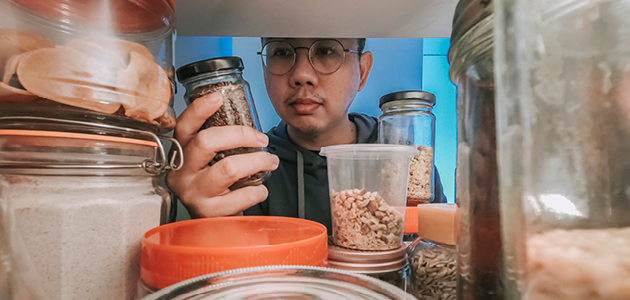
(74, 207)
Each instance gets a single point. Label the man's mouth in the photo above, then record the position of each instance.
(305, 106)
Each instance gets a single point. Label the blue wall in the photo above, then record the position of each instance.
(435, 79)
(399, 64)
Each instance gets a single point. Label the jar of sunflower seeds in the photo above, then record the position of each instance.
(433, 255)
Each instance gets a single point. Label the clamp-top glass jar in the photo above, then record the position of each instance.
(100, 61)
(225, 75)
(407, 120)
(74, 207)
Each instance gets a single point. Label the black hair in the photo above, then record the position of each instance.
(361, 47)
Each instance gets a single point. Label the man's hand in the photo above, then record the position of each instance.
(204, 190)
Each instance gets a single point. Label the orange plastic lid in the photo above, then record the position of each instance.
(182, 250)
(411, 219)
(438, 222)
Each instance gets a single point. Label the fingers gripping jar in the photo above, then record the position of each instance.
(224, 75)
(407, 120)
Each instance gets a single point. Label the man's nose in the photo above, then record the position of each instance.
(303, 72)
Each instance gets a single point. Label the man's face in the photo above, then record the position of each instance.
(312, 102)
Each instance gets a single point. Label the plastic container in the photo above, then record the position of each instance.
(407, 120)
(390, 266)
(225, 75)
(179, 251)
(282, 282)
(433, 255)
(477, 194)
(74, 207)
(103, 61)
(368, 194)
(564, 137)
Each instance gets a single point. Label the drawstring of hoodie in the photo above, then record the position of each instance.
(300, 178)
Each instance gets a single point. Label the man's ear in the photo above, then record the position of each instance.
(365, 67)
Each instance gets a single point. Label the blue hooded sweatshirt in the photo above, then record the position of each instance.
(299, 186)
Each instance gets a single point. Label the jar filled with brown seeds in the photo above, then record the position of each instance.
(224, 75)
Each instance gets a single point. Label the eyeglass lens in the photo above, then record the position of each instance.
(326, 56)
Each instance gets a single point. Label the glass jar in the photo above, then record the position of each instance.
(564, 141)
(102, 61)
(390, 266)
(282, 282)
(225, 75)
(73, 210)
(407, 120)
(433, 255)
(472, 71)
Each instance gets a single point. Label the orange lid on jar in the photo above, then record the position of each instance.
(179, 251)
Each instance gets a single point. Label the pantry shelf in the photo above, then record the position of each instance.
(322, 18)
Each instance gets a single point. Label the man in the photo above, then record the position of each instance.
(311, 84)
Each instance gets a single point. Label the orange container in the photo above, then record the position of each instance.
(178, 251)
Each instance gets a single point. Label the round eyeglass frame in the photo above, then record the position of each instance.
(310, 60)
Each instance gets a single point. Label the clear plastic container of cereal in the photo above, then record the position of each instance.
(407, 120)
(368, 194)
(433, 255)
(100, 61)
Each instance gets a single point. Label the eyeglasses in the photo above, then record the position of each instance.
(326, 56)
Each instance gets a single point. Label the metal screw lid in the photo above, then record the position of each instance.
(366, 261)
(209, 65)
(408, 95)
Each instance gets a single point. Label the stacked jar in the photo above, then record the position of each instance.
(433, 255)
(224, 75)
(407, 120)
(85, 90)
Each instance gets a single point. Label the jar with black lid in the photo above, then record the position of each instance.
(407, 120)
(390, 266)
(224, 75)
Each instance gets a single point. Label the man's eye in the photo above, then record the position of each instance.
(282, 52)
(326, 51)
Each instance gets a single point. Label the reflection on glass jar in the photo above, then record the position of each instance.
(564, 150)
(472, 70)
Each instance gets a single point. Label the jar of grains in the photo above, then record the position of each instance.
(433, 255)
(224, 75)
(73, 210)
(390, 266)
(471, 57)
(407, 120)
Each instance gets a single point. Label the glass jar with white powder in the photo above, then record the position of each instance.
(74, 207)
(407, 120)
